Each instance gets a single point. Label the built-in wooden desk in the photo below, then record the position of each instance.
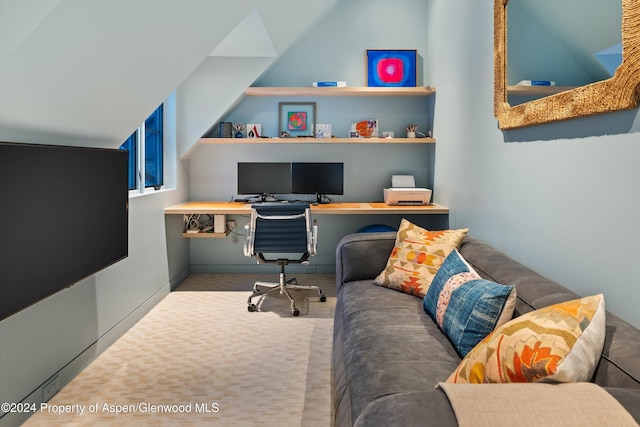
(342, 208)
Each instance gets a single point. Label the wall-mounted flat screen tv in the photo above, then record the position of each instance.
(63, 217)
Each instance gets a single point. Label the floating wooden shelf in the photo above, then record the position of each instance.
(336, 208)
(340, 91)
(205, 235)
(316, 140)
(537, 90)
(330, 91)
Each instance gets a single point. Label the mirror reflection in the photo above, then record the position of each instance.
(568, 42)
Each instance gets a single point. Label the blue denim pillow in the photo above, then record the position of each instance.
(464, 306)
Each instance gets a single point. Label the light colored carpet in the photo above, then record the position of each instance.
(201, 352)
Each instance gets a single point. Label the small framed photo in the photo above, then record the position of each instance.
(392, 68)
(297, 118)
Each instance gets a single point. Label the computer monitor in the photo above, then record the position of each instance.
(263, 179)
(317, 178)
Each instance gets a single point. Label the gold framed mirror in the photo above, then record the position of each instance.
(620, 92)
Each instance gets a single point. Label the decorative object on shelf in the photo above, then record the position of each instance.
(225, 130)
(285, 134)
(536, 83)
(323, 131)
(297, 118)
(254, 130)
(238, 128)
(411, 131)
(329, 84)
(388, 134)
(365, 128)
(392, 68)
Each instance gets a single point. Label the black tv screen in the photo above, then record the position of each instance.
(264, 178)
(64, 216)
(317, 178)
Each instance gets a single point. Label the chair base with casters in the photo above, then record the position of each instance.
(277, 229)
(263, 288)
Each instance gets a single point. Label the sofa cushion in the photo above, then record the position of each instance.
(465, 306)
(416, 257)
(559, 343)
(387, 344)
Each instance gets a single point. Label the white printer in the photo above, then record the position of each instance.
(403, 191)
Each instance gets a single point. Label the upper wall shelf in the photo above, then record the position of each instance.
(340, 91)
(238, 141)
(537, 90)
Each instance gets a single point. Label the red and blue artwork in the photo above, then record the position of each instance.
(389, 68)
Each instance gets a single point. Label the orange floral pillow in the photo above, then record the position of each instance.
(559, 343)
(416, 257)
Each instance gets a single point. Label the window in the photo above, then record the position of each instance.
(145, 148)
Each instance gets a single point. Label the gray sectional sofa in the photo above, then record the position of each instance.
(388, 354)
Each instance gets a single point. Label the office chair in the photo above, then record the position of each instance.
(281, 234)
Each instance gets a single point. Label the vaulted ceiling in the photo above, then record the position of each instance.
(84, 72)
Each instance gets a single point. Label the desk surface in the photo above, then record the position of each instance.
(352, 208)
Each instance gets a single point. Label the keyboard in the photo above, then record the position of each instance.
(276, 202)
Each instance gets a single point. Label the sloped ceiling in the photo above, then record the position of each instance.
(83, 72)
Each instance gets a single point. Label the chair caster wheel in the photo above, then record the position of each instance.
(295, 312)
(323, 298)
(251, 308)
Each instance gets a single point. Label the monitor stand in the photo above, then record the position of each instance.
(322, 199)
(262, 198)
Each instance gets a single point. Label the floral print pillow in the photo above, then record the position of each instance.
(558, 343)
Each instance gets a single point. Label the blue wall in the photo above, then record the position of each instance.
(334, 50)
(561, 198)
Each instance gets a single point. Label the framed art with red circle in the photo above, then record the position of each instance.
(392, 68)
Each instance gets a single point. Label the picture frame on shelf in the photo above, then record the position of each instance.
(365, 129)
(298, 119)
(323, 131)
(254, 130)
(392, 67)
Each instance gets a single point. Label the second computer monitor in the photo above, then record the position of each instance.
(317, 178)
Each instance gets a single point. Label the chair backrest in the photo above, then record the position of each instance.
(281, 228)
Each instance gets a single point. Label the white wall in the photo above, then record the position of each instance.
(560, 197)
(64, 332)
(74, 72)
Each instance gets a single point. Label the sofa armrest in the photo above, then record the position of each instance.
(407, 409)
(362, 256)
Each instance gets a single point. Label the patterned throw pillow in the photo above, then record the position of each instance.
(559, 343)
(416, 257)
(465, 306)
